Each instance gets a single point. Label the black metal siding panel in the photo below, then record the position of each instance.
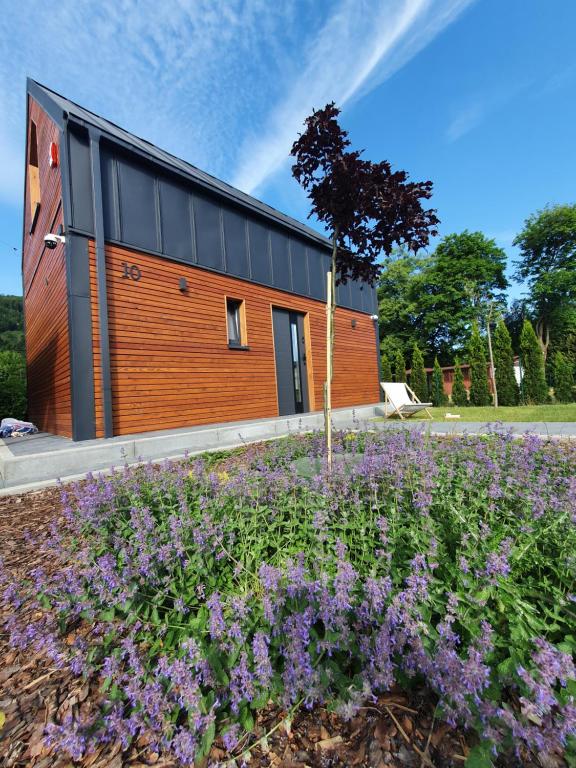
(299, 267)
(318, 266)
(208, 230)
(261, 267)
(280, 250)
(235, 243)
(137, 205)
(343, 294)
(81, 181)
(109, 202)
(175, 221)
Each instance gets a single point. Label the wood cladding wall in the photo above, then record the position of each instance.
(170, 361)
(45, 294)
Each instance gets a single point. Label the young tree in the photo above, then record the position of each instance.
(367, 208)
(534, 387)
(548, 263)
(504, 366)
(418, 380)
(459, 394)
(399, 366)
(562, 378)
(479, 389)
(438, 394)
(386, 370)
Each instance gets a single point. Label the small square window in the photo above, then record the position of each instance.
(236, 323)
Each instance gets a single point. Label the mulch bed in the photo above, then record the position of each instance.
(397, 730)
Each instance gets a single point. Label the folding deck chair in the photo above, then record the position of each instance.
(403, 400)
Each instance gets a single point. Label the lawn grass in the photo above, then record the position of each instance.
(556, 412)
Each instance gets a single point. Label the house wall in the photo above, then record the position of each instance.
(169, 356)
(45, 292)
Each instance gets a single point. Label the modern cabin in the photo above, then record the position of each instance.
(169, 298)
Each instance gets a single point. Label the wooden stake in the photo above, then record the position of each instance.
(328, 382)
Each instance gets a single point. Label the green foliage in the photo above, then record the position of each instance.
(504, 366)
(459, 394)
(398, 313)
(11, 324)
(534, 387)
(466, 270)
(563, 378)
(12, 385)
(548, 264)
(479, 388)
(418, 379)
(439, 396)
(386, 369)
(399, 366)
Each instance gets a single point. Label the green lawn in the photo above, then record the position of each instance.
(558, 412)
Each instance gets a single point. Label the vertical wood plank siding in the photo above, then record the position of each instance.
(45, 295)
(170, 361)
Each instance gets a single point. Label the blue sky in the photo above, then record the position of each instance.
(476, 95)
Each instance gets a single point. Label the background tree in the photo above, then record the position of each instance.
(386, 370)
(459, 394)
(439, 397)
(548, 263)
(398, 314)
(367, 208)
(534, 387)
(479, 389)
(418, 379)
(12, 385)
(11, 323)
(504, 365)
(399, 366)
(562, 378)
(466, 271)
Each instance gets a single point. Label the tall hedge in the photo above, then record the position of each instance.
(439, 397)
(399, 366)
(534, 387)
(479, 388)
(386, 369)
(562, 378)
(459, 394)
(12, 385)
(504, 366)
(418, 380)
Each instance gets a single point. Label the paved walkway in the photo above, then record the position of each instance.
(555, 429)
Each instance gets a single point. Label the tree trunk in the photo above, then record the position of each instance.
(330, 306)
(543, 333)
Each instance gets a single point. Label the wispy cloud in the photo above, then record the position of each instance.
(466, 120)
(359, 46)
(223, 83)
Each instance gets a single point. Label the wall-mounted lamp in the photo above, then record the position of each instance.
(183, 285)
(353, 323)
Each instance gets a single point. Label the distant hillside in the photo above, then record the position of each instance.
(11, 323)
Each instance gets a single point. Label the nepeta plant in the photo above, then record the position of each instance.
(199, 591)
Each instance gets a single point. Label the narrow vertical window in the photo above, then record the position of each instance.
(236, 323)
(33, 175)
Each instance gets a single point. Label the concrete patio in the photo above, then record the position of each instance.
(27, 463)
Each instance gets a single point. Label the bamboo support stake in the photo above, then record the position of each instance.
(328, 382)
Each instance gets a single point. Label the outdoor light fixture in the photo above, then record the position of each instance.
(353, 323)
(182, 284)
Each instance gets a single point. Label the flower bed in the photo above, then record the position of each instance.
(206, 589)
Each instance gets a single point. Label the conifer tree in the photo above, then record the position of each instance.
(562, 378)
(438, 395)
(479, 389)
(534, 387)
(386, 370)
(459, 394)
(399, 366)
(504, 366)
(418, 379)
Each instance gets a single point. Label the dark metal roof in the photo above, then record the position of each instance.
(61, 108)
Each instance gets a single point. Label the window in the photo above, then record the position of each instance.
(236, 323)
(33, 175)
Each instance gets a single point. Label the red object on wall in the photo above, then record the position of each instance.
(53, 154)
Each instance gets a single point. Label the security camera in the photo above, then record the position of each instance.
(373, 317)
(51, 241)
